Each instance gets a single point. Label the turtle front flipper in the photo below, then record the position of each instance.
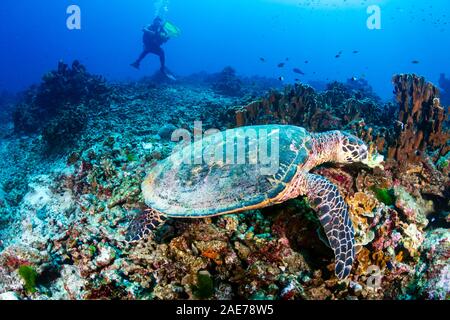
(144, 224)
(332, 210)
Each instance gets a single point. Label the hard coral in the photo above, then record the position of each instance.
(421, 118)
(60, 88)
(362, 209)
(226, 82)
(432, 280)
(335, 108)
(62, 130)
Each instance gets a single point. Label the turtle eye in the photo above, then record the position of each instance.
(363, 153)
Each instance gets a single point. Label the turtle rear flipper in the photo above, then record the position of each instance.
(144, 225)
(332, 210)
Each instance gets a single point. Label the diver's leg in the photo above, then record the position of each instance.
(332, 210)
(137, 63)
(162, 57)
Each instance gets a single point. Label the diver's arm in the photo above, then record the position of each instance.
(164, 36)
(147, 30)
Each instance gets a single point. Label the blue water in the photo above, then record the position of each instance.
(216, 33)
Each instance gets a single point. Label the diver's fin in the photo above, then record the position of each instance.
(332, 210)
(144, 224)
(170, 76)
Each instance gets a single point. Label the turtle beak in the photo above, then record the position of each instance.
(373, 160)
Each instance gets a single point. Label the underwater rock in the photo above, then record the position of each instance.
(166, 131)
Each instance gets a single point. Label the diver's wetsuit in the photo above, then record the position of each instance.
(153, 39)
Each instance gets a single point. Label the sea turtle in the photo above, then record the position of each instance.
(250, 168)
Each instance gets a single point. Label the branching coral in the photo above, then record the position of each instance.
(335, 108)
(296, 106)
(421, 119)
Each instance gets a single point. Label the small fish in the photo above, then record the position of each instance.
(297, 70)
(306, 61)
(287, 59)
(262, 59)
(281, 65)
(415, 62)
(297, 79)
(337, 56)
(281, 78)
(356, 51)
(354, 78)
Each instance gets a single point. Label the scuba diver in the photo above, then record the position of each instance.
(155, 35)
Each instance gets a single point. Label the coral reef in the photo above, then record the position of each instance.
(62, 130)
(434, 281)
(300, 104)
(65, 217)
(416, 141)
(7, 103)
(60, 89)
(226, 82)
(421, 118)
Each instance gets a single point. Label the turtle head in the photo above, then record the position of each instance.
(351, 149)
